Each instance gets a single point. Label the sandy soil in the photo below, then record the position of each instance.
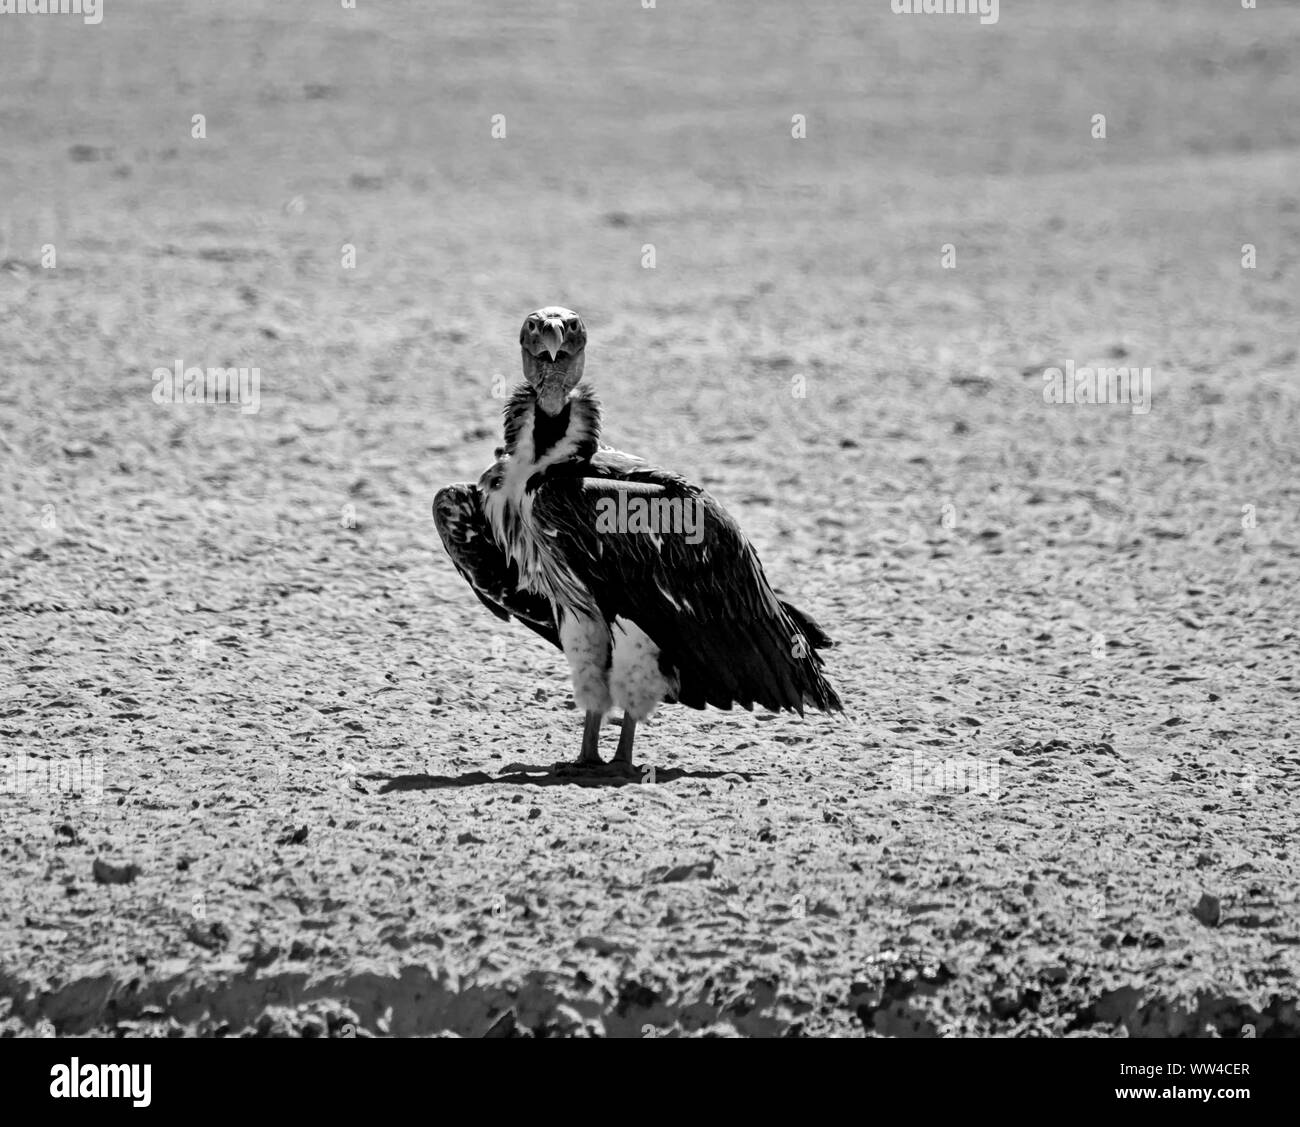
(270, 768)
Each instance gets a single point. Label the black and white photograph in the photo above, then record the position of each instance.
(649, 520)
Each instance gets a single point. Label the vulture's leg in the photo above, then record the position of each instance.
(623, 756)
(590, 756)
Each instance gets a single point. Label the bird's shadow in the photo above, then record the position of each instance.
(522, 774)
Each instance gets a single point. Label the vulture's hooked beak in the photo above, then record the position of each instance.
(551, 338)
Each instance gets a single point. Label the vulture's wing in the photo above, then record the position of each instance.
(458, 513)
(692, 582)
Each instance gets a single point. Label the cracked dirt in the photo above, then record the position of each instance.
(271, 769)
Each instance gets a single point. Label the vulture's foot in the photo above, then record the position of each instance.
(615, 769)
(589, 761)
(579, 767)
(588, 758)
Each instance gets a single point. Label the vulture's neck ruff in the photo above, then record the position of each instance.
(542, 442)
(539, 445)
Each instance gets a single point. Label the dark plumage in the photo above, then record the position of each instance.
(458, 513)
(644, 581)
(720, 628)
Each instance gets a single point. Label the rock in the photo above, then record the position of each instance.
(504, 1026)
(213, 937)
(107, 873)
(313, 1025)
(683, 872)
(1207, 910)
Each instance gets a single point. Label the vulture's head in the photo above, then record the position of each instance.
(554, 343)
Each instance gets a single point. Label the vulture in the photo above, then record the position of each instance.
(645, 583)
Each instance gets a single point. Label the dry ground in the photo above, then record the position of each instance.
(321, 755)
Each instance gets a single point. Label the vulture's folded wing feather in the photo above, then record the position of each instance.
(686, 575)
(493, 577)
